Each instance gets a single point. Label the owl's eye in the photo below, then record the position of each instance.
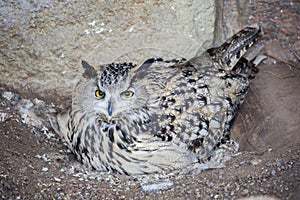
(127, 94)
(99, 94)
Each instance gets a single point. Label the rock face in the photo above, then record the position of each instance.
(43, 42)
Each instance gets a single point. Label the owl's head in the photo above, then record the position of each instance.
(111, 92)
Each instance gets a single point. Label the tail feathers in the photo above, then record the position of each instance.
(232, 55)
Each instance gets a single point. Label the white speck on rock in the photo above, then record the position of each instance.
(87, 31)
(99, 30)
(130, 29)
(93, 23)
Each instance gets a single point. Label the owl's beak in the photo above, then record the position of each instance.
(110, 108)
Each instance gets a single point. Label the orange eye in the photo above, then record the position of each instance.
(127, 94)
(99, 94)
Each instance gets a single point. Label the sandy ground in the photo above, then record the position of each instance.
(36, 165)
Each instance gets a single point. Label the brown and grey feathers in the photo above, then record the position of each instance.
(160, 115)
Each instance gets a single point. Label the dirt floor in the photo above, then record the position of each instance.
(35, 164)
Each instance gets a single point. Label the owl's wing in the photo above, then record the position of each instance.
(199, 98)
(227, 70)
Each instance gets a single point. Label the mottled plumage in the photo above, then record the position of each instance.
(160, 115)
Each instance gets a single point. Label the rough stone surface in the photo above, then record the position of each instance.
(43, 42)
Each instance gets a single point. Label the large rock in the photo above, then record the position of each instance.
(43, 42)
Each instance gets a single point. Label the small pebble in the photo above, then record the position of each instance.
(255, 161)
(57, 179)
(243, 162)
(44, 169)
(273, 172)
(2, 116)
(38, 102)
(245, 192)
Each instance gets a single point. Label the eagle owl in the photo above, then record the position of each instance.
(160, 115)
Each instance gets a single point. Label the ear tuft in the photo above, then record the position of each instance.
(89, 72)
